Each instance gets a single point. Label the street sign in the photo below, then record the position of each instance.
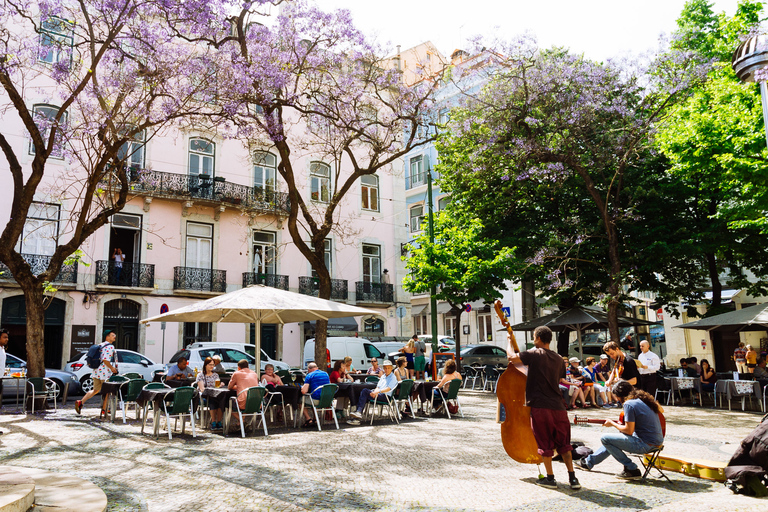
(163, 309)
(507, 311)
(400, 311)
(468, 308)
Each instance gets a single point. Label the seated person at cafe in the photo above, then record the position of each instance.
(209, 379)
(401, 372)
(348, 368)
(336, 377)
(271, 378)
(760, 372)
(311, 390)
(387, 384)
(603, 368)
(180, 370)
(375, 369)
(687, 370)
(449, 374)
(693, 363)
(217, 367)
(241, 380)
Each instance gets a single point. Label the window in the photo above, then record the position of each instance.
(197, 331)
(264, 170)
(41, 230)
(443, 202)
(45, 119)
(450, 326)
(370, 192)
(327, 256)
(420, 324)
(320, 186)
(201, 157)
(484, 328)
(417, 218)
(371, 263)
(131, 154)
(56, 36)
(417, 176)
(199, 245)
(264, 252)
(373, 325)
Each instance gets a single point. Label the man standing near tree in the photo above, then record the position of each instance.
(101, 374)
(549, 421)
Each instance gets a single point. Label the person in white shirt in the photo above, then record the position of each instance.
(648, 364)
(3, 344)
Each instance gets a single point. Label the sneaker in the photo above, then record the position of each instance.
(546, 482)
(574, 483)
(78, 406)
(630, 474)
(350, 421)
(582, 464)
(356, 415)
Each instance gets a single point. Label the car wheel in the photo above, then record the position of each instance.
(87, 384)
(55, 388)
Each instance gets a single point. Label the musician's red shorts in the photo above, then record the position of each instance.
(552, 431)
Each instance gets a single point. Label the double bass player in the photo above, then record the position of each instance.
(549, 420)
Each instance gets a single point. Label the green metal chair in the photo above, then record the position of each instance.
(180, 400)
(402, 395)
(372, 378)
(285, 376)
(118, 378)
(132, 375)
(325, 403)
(254, 406)
(128, 393)
(151, 385)
(453, 394)
(42, 387)
(390, 403)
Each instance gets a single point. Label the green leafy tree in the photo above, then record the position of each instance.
(462, 263)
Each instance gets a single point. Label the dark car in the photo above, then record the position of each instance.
(482, 355)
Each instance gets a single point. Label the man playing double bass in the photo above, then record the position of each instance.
(549, 421)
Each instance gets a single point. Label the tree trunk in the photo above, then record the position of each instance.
(321, 326)
(33, 299)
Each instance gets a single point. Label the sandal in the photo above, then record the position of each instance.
(310, 423)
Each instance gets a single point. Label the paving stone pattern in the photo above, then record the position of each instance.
(420, 465)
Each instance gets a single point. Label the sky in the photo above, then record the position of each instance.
(598, 28)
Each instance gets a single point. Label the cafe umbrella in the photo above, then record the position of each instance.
(258, 304)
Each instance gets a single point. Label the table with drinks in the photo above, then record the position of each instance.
(20, 379)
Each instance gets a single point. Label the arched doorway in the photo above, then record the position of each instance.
(373, 325)
(14, 318)
(122, 316)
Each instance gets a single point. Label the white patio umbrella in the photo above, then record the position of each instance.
(259, 304)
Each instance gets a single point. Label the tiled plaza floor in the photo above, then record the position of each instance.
(421, 465)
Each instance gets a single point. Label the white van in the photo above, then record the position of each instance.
(360, 350)
(389, 347)
(243, 347)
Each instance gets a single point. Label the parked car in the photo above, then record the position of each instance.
(243, 347)
(59, 378)
(481, 355)
(444, 343)
(589, 349)
(360, 350)
(229, 357)
(128, 361)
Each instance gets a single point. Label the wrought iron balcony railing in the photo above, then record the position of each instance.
(205, 188)
(374, 292)
(311, 286)
(202, 279)
(417, 180)
(137, 275)
(39, 263)
(271, 280)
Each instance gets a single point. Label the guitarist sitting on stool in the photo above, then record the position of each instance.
(549, 421)
(640, 433)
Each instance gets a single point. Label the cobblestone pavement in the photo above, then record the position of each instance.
(420, 465)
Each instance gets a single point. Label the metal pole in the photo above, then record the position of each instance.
(764, 97)
(431, 227)
(162, 355)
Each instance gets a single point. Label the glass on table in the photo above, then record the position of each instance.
(217, 383)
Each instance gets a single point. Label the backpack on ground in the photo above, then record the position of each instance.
(93, 357)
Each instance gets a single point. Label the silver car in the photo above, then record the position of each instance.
(128, 361)
(59, 378)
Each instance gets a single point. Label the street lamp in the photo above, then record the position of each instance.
(750, 58)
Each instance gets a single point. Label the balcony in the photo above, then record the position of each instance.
(311, 286)
(200, 279)
(271, 280)
(39, 263)
(374, 293)
(205, 190)
(130, 274)
(417, 180)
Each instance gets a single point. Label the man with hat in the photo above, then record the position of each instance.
(106, 369)
(384, 388)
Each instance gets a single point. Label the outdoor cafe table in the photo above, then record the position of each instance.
(111, 389)
(738, 389)
(352, 390)
(291, 395)
(424, 389)
(21, 382)
(677, 384)
(156, 397)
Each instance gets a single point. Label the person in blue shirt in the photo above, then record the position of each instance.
(387, 384)
(311, 389)
(640, 433)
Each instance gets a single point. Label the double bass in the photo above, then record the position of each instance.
(516, 432)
